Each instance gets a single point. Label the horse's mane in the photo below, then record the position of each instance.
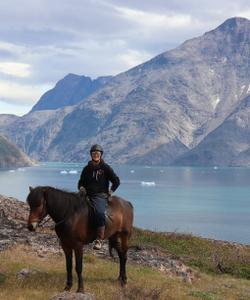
(75, 201)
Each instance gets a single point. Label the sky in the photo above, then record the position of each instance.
(41, 41)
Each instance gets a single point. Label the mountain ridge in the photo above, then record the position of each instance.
(69, 91)
(155, 112)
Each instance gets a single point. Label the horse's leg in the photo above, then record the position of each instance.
(68, 256)
(78, 256)
(122, 249)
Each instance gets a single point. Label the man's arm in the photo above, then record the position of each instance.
(81, 182)
(115, 180)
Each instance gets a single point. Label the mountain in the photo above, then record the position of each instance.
(7, 119)
(155, 113)
(227, 145)
(34, 132)
(69, 91)
(11, 156)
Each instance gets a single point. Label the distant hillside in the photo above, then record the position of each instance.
(69, 91)
(11, 156)
(229, 144)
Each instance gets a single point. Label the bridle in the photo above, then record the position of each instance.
(45, 217)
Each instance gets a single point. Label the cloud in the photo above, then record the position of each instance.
(154, 20)
(133, 58)
(15, 69)
(17, 109)
(42, 41)
(11, 92)
(245, 14)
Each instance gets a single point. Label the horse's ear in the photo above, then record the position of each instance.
(31, 188)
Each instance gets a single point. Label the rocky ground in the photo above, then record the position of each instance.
(13, 231)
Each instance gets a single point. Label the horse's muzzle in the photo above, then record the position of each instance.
(32, 226)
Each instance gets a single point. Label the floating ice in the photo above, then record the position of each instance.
(21, 169)
(11, 171)
(147, 183)
(73, 172)
(215, 167)
(64, 172)
(132, 171)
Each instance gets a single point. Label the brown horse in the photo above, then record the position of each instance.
(71, 213)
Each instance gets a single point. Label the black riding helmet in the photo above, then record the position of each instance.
(96, 147)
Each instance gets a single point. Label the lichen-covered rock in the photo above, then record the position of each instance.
(73, 296)
(25, 273)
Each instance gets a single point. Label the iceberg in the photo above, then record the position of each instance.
(73, 172)
(147, 183)
(64, 172)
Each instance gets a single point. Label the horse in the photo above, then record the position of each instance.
(74, 227)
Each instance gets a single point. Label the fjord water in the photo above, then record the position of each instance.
(210, 202)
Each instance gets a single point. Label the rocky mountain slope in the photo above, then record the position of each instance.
(229, 144)
(7, 119)
(155, 113)
(11, 156)
(69, 91)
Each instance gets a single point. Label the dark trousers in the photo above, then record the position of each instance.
(99, 202)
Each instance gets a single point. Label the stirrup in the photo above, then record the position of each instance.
(97, 245)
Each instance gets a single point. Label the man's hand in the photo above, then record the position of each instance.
(110, 192)
(82, 190)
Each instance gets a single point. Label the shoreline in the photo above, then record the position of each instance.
(15, 209)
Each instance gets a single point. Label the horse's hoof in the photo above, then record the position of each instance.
(80, 290)
(67, 288)
(122, 281)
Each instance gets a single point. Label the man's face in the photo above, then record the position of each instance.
(96, 156)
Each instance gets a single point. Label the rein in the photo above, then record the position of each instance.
(63, 220)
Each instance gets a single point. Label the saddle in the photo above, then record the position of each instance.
(108, 211)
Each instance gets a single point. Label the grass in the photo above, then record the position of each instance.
(143, 283)
(207, 255)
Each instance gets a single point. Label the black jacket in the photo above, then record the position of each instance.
(95, 179)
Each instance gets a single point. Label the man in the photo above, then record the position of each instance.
(95, 178)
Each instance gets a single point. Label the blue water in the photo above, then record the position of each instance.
(213, 203)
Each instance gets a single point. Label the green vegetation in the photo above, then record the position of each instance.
(208, 256)
(143, 282)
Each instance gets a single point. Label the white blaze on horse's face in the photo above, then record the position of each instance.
(34, 225)
(33, 220)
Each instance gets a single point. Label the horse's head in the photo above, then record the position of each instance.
(37, 203)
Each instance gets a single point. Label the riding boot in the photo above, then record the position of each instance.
(100, 238)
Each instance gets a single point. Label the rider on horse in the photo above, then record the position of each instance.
(95, 178)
